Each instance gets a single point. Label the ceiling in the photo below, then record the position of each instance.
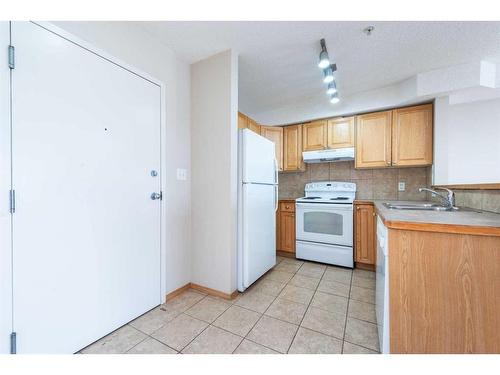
(278, 60)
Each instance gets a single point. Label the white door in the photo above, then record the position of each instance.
(259, 232)
(258, 158)
(325, 223)
(86, 235)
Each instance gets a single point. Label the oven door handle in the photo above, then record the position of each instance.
(324, 206)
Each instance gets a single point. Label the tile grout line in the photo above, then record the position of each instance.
(208, 324)
(182, 312)
(347, 313)
(262, 314)
(307, 308)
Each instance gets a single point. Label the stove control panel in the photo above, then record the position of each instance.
(327, 186)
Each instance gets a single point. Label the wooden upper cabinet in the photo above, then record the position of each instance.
(373, 140)
(242, 121)
(245, 122)
(364, 233)
(412, 136)
(340, 132)
(253, 126)
(292, 148)
(275, 134)
(315, 135)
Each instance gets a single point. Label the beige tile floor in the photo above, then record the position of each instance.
(297, 307)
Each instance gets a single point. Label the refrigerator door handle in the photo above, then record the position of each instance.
(276, 184)
(275, 171)
(275, 198)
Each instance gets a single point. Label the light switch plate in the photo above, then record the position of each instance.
(401, 186)
(181, 174)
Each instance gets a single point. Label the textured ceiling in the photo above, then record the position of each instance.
(278, 60)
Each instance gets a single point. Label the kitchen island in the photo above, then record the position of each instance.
(443, 280)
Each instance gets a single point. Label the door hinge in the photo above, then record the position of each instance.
(12, 57)
(12, 201)
(13, 343)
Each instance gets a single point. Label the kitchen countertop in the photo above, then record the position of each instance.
(465, 221)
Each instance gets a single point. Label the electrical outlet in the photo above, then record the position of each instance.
(401, 186)
(181, 174)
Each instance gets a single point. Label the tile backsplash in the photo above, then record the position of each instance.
(488, 200)
(370, 183)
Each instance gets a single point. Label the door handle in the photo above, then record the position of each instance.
(156, 196)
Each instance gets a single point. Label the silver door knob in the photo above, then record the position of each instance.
(155, 196)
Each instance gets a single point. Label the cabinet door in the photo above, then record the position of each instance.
(340, 132)
(275, 134)
(365, 251)
(412, 136)
(242, 121)
(253, 126)
(287, 231)
(373, 140)
(314, 135)
(292, 148)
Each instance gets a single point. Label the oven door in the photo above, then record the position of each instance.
(325, 223)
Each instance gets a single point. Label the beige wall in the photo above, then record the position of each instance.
(214, 104)
(371, 184)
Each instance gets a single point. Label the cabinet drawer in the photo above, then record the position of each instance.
(287, 206)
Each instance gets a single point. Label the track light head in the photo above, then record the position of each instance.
(327, 75)
(332, 88)
(334, 99)
(324, 61)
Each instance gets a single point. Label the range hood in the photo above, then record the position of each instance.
(328, 156)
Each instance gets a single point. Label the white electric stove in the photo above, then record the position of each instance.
(324, 224)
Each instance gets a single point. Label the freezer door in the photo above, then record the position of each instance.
(258, 230)
(257, 158)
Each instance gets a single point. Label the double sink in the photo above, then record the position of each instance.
(419, 206)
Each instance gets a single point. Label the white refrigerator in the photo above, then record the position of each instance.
(257, 205)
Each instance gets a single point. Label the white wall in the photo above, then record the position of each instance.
(466, 142)
(5, 253)
(133, 46)
(214, 103)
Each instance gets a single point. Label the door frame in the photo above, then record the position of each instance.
(5, 154)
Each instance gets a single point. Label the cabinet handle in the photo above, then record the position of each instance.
(388, 163)
(357, 208)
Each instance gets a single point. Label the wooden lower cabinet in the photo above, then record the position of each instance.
(285, 226)
(365, 249)
(444, 292)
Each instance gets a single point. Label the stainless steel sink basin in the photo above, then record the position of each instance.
(419, 206)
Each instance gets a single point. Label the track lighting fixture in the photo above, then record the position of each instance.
(328, 69)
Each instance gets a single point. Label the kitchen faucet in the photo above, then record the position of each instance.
(449, 199)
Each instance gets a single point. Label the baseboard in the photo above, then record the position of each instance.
(178, 291)
(285, 254)
(364, 266)
(214, 292)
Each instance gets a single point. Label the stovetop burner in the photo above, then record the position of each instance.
(311, 198)
(339, 199)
